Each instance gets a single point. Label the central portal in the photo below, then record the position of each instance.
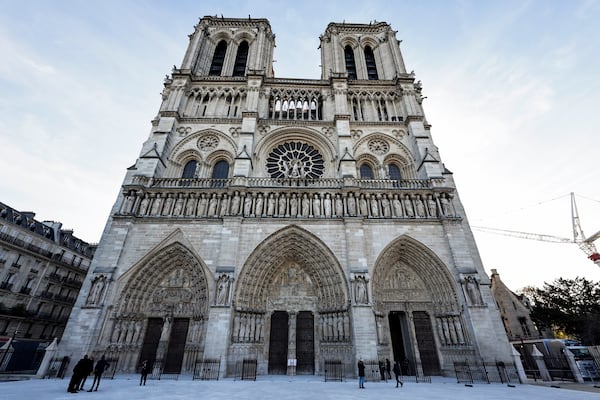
(281, 344)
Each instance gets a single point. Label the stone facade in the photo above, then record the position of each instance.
(289, 221)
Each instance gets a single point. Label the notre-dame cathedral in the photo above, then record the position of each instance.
(288, 221)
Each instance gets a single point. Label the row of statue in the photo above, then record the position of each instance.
(315, 205)
(450, 330)
(248, 327)
(334, 327)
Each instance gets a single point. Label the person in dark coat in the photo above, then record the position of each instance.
(78, 372)
(87, 369)
(388, 368)
(101, 365)
(144, 371)
(361, 374)
(397, 374)
(382, 370)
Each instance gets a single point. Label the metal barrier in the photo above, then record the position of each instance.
(333, 370)
(246, 369)
(207, 369)
(480, 371)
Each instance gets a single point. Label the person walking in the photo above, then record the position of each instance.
(397, 374)
(101, 365)
(144, 372)
(87, 369)
(361, 374)
(77, 375)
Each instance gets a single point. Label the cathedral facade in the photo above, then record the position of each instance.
(288, 221)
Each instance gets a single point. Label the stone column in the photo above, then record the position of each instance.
(519, 365)
(573, 366)
(48, 356)
(539, 361)
(291, 369)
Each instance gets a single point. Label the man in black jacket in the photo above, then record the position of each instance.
(101, 365)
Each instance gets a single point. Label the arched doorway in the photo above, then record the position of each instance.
(291, 304)
(161, 312)
(415, 292)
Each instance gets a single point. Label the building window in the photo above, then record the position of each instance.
(239, 68)
(524, 327)
(221, 170)
(295, 160)
(394, 172)
(366, 172)
(350, 63)
(371, 66)
(189, 170)
(218, 59)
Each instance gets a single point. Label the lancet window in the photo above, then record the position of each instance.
(371, 66)
(218, 59)
(350, 63)
(239, 68)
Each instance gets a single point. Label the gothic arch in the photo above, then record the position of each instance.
(407, 271)
(191, 143)
(271, 258)
(171, 280)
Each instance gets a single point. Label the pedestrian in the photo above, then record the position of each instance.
(388, 368)
(361, 374)
(87, 369)
(382, 370)
(397, 374)
(77, 375)
(144, 372)
(101, 365)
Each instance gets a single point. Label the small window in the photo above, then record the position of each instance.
(371, 66)
(350, 64)
(218, 59)
(394, 172)
(239, 68)
(366, 172)
(189, 170)
(220, 173)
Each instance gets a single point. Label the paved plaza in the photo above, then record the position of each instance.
(291, 388)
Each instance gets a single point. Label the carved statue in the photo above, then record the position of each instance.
(472, 289)
(360, 288)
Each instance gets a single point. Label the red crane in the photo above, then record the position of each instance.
(585, 244)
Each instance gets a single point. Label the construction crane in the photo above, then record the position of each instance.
(585, 244)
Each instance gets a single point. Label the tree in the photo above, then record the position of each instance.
(568, 305)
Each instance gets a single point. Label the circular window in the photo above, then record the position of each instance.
(295, 160)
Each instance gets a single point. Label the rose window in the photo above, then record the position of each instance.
(208, 142)
(378, 146)
(295, 160)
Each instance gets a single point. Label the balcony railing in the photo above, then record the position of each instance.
(325, 183)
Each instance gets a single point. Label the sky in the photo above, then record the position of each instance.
(126, 387)
(512, 96)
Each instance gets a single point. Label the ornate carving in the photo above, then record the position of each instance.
(378, 146)
(208, 142)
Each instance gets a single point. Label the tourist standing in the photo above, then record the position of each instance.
(101, 365)
(144, 372)
(361, 374)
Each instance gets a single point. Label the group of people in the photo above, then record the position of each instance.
(82, 370)
(384, 368)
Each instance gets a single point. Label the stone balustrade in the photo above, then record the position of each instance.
(288, 198)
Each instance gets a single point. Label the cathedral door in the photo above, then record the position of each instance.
(151, 339)
(400, 340)
(426, 343)
(176, 346)
(305, 343)
(278, 344)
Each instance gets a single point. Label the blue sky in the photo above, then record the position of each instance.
(512, 94)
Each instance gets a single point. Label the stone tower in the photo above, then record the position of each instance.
(288, 221)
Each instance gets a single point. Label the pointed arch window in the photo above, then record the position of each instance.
(371, 66)
(189, 170)
(241, 58)
(366, 172)
(350, 63)
(218, 59)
